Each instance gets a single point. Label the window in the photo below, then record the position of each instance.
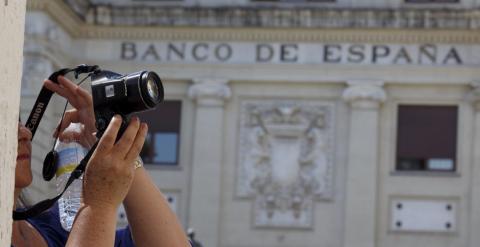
(162, 143)
(432, 1)
(426, 138)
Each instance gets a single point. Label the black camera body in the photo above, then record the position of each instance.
(114, 93)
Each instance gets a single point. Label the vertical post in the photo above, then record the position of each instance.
(474, 98)
(210, 96)
(364, 98)
(12, 21)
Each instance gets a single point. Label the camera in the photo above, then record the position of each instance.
(114, 93)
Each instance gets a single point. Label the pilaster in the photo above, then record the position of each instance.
(210, 95)
(365, 98)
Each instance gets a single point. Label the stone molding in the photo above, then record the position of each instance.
(276, 17)
(78, 28)
(364, 94)
(209, 91)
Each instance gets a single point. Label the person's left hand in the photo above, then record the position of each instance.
(83, 113)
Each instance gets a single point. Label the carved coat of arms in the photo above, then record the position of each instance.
(285, 159)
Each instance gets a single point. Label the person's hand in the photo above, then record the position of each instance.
(110, 170)
(83, 113)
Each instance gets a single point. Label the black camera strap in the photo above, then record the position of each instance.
(32, 124)
(45, 95)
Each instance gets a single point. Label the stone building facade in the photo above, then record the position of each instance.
(300, 123)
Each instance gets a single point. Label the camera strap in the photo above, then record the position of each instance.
(45, 95)
(49, 165)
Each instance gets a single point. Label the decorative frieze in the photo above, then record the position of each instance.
(285, 159)
(100, 20)
(241, 16)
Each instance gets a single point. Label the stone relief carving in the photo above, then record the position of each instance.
(285, 159)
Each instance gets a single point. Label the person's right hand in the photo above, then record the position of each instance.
(110, 170)
(83, 111)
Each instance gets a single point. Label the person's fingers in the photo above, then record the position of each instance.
(70, 89)
(71, 116)
(85, 142)
(67, 136)
(128, 137)
(84, 96)
(67, 84)
(81, 98)
(108, 139)
(54, 87)
(137, 143)
(88, 139)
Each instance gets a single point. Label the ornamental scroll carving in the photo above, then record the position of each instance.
(285, 160)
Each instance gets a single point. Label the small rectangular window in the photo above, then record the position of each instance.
(163, 140)
(426, 138)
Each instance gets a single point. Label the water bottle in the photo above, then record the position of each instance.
(70, 153)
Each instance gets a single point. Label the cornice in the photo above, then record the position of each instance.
(78, 28)
(285, 35)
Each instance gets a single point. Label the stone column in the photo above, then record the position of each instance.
(364, 98)
(12, 22)
(474, 98)
(210, 96)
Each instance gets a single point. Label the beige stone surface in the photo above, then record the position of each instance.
(12, 20)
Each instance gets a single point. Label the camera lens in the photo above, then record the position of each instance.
(152, 89)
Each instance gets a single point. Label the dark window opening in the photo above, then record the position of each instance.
(163, 140)
(426, 138)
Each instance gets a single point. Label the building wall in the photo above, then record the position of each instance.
(316, 108)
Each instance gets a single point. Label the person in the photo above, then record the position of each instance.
(109, 180)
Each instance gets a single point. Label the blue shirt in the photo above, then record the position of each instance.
(49, 226)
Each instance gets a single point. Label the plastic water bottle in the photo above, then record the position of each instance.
(70, 153)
